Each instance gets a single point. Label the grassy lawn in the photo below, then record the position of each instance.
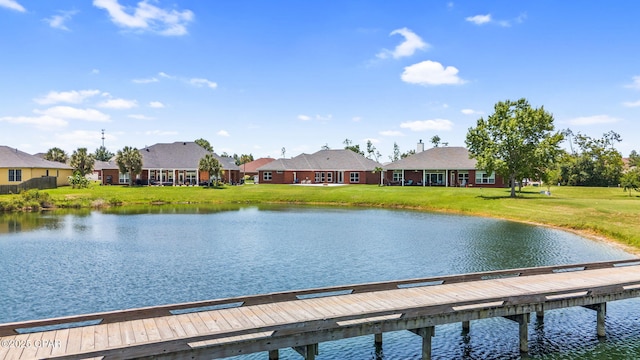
(607, 212)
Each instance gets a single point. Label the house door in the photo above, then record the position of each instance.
(181, 178)
(340, 177)
(452, 182)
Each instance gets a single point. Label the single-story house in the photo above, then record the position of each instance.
(177, 164)
(251, 168)
(17, 167)
(108, 173)
(322, 167)
(439, 166)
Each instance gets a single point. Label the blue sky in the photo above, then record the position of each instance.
(258, 76)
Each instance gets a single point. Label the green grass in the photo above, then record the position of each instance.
(607, 212)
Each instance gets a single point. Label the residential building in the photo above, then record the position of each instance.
(17, 167)
(322, 167)
(439, 166)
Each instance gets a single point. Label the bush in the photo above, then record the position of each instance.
(78, 181)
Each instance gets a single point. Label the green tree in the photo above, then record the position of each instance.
(56, 154)
(103, 154)
(372, 152)
(205, 144)
(407, 154)
(82, 162)
(634, 159)
(516, 141)
(355, 148)
(212, 166)
(396, 152)
(631, 180)
(242, 159)
(595, 163)
(435, 140)
(129, 161)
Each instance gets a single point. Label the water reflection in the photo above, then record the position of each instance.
(70, 263)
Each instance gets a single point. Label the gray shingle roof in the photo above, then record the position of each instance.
(438, 158)
(179, 155)
(14, 158)
(328, 160)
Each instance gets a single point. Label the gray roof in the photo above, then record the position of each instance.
(14, 158)
(180, 155)
(105, 165)
(328, 160)
(437, 158)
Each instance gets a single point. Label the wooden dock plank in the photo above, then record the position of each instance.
(47, 343)
(175, 326)
(6, 345)
(88, 338)
(114, 335)
(213, 321)
(153, 334)
(101, 336)
(16, 347)
(187, 325)
(127, 334)
(164, 329)
(139, 332)
(31, 346)
(74, 341)
(198, 323)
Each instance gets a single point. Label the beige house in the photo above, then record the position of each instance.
(17, 167)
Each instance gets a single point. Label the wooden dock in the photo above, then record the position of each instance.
(303, 319)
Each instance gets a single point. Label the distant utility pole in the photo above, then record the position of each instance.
(102, 137)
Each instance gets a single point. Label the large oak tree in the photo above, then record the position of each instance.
(516, 141)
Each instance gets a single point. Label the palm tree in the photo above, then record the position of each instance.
(212, 166)
(82, 162)
(129, 161)
(56, 154)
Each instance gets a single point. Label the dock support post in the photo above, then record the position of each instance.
(540, 315)
(426, 333)
(274, 354)
(378, 345)
(378, 339)
(308, 352)
(601, 311)
(523, 325)
(466, 325)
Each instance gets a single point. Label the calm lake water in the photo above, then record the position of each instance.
(57, 264)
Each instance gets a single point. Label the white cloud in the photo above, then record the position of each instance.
(140, 117)
(160, 133)
(44, 122)
(635, 84)
(156, 104)
(408, 47)
(471, 112)
(203, 82)
(68, 112)
(72, 97)
(224, 133)
(356, 119)
(95, 71)
(631, 103)
(479, 19)
(431, 73)
(304, 117)
(147, 17)
(423, 125)
(145, 81)
(593, 120)
(165, 75)
(118, 104)
(391, 133)
(486, 19)
(58, 21)
(12, 4)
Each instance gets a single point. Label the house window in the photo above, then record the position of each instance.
(483, 178)
(435, 177)
(319, 178)
(330, 177)
(354, 177)
(266, 176)
(463, 178)
(15, 175)
(123, 178)
(397, 175)
(191, 178)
